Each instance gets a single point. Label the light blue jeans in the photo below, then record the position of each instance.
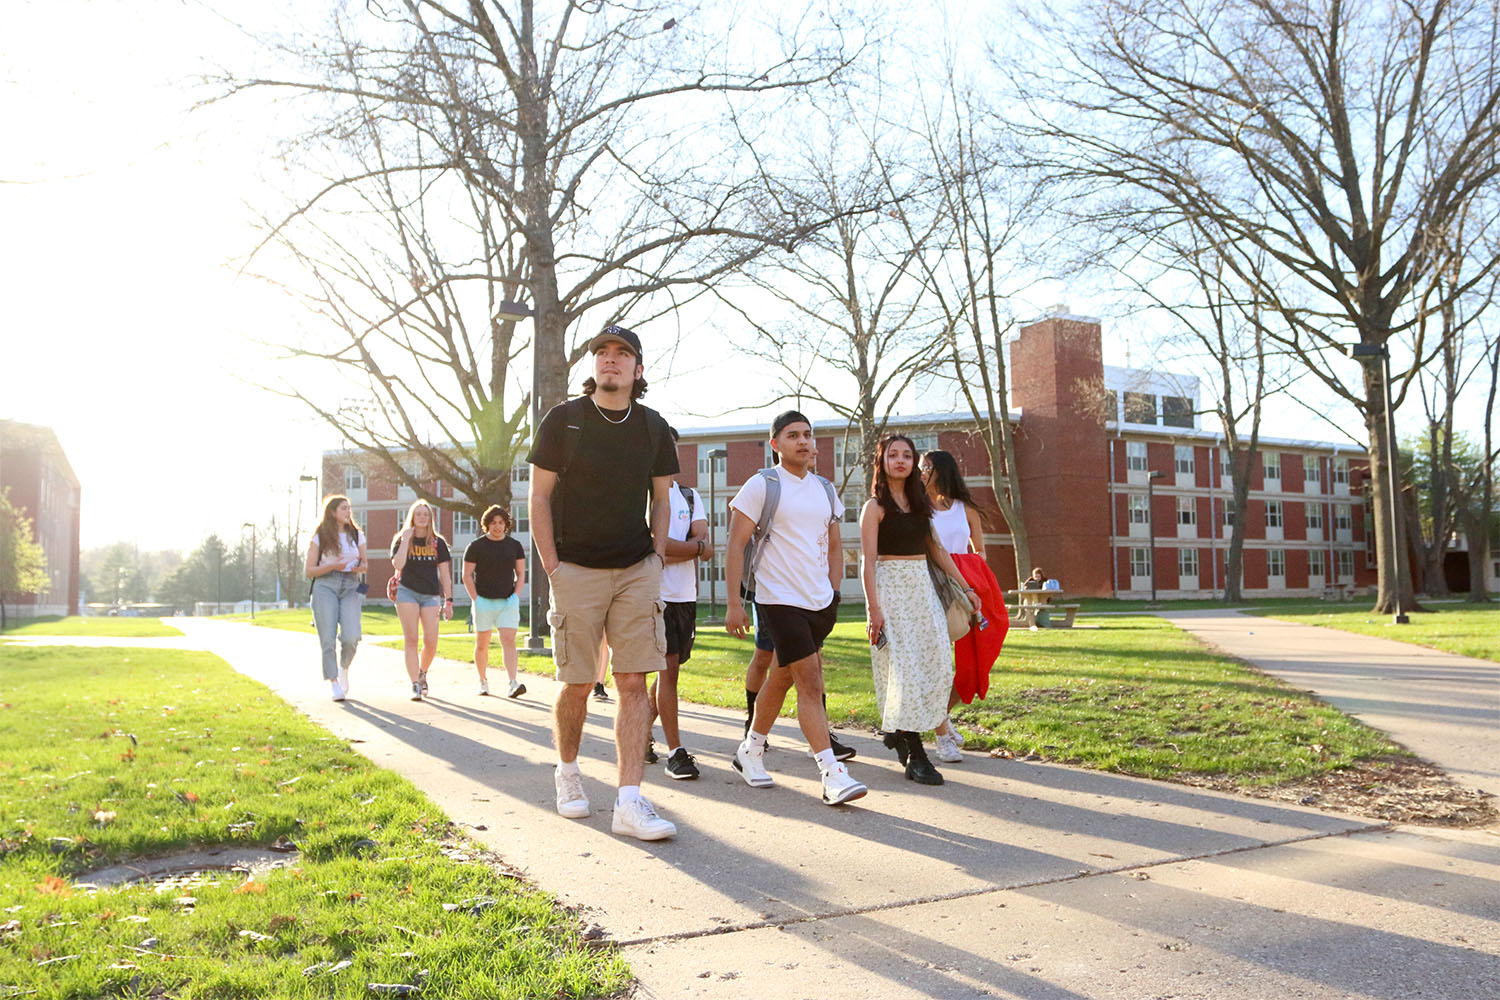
(336, 604)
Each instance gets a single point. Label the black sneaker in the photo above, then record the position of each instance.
(680, 765)
(651, 755)
(599, 691)
(840, 750)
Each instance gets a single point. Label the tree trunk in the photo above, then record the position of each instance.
(1234, 564)
(1477, 532)
(1393, 589)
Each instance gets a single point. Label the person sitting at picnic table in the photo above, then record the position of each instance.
(1036, 580)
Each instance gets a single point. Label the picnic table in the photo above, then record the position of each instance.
(1040, 608)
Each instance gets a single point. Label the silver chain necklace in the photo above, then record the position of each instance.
(606, 419)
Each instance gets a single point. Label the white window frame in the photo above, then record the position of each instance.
(1312, 472)
(1343, 517)
(1317, 565)
(1275, 515)
(1137, 509)
(354, 478)
(1187, 510)
(1314, 516)
(465, 524)
(1341, 472)
(1184, 459)
(1270, 463)
(1187, 567)
(1344, 560)
(1140, 562)
(1275, 557)
(1135, 456)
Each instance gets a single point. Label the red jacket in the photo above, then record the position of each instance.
(975, 653)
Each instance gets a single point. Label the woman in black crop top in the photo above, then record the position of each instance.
(909, 653)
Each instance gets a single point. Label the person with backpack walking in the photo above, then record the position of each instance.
(424, 589)
(785, 550)
(596, 462)
(494, 573)
(906, 624)
(687, 542)
(335, 559)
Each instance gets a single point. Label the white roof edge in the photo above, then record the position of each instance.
(1200, 434)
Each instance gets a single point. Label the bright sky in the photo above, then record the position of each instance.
(127, 330)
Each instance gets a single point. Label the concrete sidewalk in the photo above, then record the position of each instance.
(1017, 880)
(1444, 708)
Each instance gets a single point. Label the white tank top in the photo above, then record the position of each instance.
(952, 527)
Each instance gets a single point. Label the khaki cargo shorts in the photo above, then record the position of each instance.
(622, 605)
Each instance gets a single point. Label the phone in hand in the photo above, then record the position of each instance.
(880, 640)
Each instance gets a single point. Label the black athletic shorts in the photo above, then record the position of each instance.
(682, 624)
(796, 633)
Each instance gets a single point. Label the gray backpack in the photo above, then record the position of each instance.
(756, 544)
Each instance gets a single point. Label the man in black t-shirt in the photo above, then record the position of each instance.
(494, 569)
(595, 462)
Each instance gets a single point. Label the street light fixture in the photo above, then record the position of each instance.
(247, 524)
(537, 630)
(1151, 479)
(713, 536)
(1365, 354)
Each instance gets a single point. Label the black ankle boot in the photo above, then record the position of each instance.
(893, 741)
(918, 767)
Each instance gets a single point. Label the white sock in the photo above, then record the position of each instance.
(628, 794)
(825, 759)
(568, 766)
(757, 740)
(672, 750)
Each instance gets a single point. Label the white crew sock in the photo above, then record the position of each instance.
(757, 740)
(628, 794)
(568, 766)
(825, 759)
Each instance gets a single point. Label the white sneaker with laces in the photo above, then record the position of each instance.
(338, 691)
(571, 802)
(484, 685)
(750, 762)
(947, 749)
(344, 679)
(839, 787)
(638, 819)
(516, 689)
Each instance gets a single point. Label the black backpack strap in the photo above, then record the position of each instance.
(573, 413)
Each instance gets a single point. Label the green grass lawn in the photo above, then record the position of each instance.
(1136, 695)
(177, 750)
(1466, 629)
(375, 619)
(93, 625)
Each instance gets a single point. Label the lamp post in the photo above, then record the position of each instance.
(713, 535)
(536, 606)
(1151, 479)
(247, 524)
(1365, 354)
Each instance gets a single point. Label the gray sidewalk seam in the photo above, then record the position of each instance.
(855, 911)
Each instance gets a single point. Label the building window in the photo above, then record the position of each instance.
(1187, 566)
(851, 564)
(1343, 517)
(1315, 562)
(1341, 472)
(1137, 510)
(1140, 408)
(1311, 475)
(1177, 411)
(924, 442)
(851, 509)
(1187, 510)
(1135, 456)
(522, 517)
(1273, 514)
(465, 524)
(1228, 510)
(1276, 562)
(354, 478)
(521, 473)
(1315, 516)
(1140, 562)
(1270, 461)
(1226, 467)
(1184, 454)
(1345, 564)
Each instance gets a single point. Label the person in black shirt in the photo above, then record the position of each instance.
(425, 589)
(494, 570)
(595, 463)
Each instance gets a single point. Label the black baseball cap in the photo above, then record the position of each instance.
(619, 335)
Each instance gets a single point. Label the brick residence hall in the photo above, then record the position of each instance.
(34, 468)
(1088, 491)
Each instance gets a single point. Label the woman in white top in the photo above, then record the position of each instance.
(335, 559)
(955, 519)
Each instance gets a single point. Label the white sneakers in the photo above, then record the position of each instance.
(484, 685)
(947, 749)
(571, 802)
(344, 679)
(638, 819)
(339, 690)
(516, 689)
(750, 762)
(839, 787)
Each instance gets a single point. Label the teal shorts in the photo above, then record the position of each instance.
(492, 613)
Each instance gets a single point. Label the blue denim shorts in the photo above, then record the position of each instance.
(405, 596)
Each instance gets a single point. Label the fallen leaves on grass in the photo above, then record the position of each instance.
(250, 887)
(104, 817)
(54, 886)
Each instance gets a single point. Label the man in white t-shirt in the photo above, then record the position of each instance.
(687, 534)
(796, 598)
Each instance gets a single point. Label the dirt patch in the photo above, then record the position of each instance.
(1394, 789)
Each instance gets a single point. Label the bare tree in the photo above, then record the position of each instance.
(586, 143)
(1327, 148)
